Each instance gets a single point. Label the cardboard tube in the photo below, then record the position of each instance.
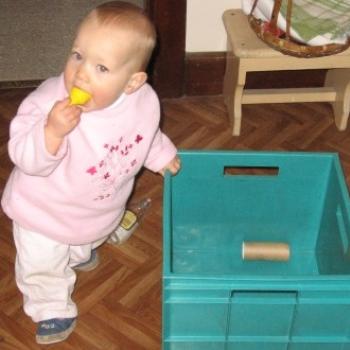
(274, 251)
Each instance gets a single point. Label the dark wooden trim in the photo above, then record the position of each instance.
(286, 79)
(167, 68)
(205, 73)
(19, 84)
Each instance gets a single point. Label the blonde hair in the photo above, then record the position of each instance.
(131, 18)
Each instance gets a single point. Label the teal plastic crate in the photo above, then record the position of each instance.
(213, 298)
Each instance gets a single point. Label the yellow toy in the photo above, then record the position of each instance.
(78, 96)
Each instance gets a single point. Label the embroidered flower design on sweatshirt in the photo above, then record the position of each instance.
(119, 161)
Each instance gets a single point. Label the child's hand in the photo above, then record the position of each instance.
(62, 119)
(173, 166)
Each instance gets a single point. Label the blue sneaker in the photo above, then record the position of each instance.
(89, 265)
(54, 330)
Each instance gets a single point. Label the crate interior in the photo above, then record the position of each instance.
(213, 213)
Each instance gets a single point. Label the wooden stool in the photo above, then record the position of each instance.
(247, 53)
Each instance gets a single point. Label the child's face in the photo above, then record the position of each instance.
(101, 63)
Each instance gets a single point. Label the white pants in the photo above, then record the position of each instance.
(44, 273)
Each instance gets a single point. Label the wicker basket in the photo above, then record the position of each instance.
(272, 36)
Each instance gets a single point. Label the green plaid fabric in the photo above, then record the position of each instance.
(327, 18)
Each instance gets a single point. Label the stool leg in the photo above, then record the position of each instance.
(233, 91)
(340, 80)
(237, 110)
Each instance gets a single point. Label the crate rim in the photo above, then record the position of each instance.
(254, 152)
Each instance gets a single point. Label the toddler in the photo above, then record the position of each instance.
(75, 165)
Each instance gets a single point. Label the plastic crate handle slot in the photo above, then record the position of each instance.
(264, 296)
(251, 170)
(267, 306)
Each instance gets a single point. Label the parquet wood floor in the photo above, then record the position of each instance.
(120, 301)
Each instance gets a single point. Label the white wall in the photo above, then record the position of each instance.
(205, 31)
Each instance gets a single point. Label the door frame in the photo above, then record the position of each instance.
(167, 67)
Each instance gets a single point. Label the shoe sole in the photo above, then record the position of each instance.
(89, 266)
(55, 338)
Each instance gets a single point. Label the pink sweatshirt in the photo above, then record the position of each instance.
(79, 195)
